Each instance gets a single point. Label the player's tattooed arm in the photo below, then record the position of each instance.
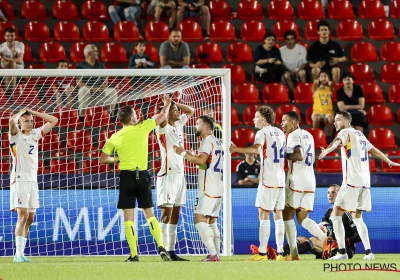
(332, 146)
(296, 155)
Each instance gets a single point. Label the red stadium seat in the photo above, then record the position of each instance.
(93, 166)
(94, 10)
(153, 144)
(349, 30)
(50, 142)
(97, 116)
(65, 166)
(67, 117)
(249, 10)
(303, 93)
(234, 115)
(222, 31)
(241, 136)
(390, 51)
(37, 31)
(151, 51)
(113, 53)
(280, 10)
(103, 136)
(340, 9)
(65, 10)
(4, 166)
(25, 95)
(209, 52)
(238, 74)
(239, 52)
(282, 26)
(156, 31)
(329, 165)
(381, 29)
(275, 93)
(76, 51)
(96, 31)
(201, 66)
(248, 114)
(380, 115)
(382, 138)
(245, 93)
(395, 9)
(385, 166)
(371, 9)
(310, 9)
(253, 31)
(283, 109)
(5, 143)
(390, 73)
(5, 115)
(363, 52)
(67, 32)
(311, 31)
(219, 9)
(372, 166)
(394, 93)
(79, 141)
(42, 169)
(52, 52)
(33, 10)
(8, 10)
(234, 164)
(362, 72)
(126, 31)
(373, 93)
(191, 31)
(319, 137)
(7, 24)
(398, 115)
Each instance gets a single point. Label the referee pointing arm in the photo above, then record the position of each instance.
(131, 145)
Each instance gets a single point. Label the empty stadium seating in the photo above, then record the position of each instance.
(249, 10)
(65, 10)
(241, 136)
(275, 93)
(253, 31)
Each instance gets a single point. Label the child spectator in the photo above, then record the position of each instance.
(140, 59)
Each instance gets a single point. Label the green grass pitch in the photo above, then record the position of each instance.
(149, 268)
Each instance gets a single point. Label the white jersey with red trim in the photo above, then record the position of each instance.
(301, 175)
(210, 174)
(167, 137)
(272, 142)
(24, 151)
(355, 160)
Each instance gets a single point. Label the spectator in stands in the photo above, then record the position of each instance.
(174, 53)
(268, 60)
(294, 57)
(325, 54)
(248, 170)
(194, 8)
(11, 54)
(140, 59)
(2, 17)
(166, 7)
(94, 91)
(129, 10)
(63, 87)
(350, 98)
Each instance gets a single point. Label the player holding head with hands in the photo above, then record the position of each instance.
(208, 202)
(131, 145)
(354, 194)
(24, 191)
(171, 183)
(270, 144)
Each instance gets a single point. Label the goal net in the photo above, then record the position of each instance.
(77, 195)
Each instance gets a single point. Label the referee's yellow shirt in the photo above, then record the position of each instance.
(131, 145)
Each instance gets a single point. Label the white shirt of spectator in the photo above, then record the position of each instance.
(295, 57)
(19, 47)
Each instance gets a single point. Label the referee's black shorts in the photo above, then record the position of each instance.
(132, 189)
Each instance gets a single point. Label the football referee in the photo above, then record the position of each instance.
(131, 145)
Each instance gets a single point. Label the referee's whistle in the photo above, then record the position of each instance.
(137, 173)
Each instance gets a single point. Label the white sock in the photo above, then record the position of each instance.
(217, 236)
(363, 232)
(163, 228)
(313, 228)
(207, 237)
(291, 233)
(171, 237)
(338, 229)
(279, 234)
(25, 240)
(19, 245)
(264, 233)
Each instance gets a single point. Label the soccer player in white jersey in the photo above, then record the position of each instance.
(211, 188)
(270, 144)
(24, 193)
(354, 195)
(171, 183)
(300, 182)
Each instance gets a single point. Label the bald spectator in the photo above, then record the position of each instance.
(194, 8)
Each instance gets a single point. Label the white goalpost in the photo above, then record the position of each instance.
(77, 195)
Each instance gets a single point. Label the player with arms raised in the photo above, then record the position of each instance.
(270, 144)
(300, 183)
(211, 188)
(171, 183)
(354, 194)
(24, 190)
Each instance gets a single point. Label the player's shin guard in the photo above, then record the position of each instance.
(155, 230)
(131, 237)
(363, 232)
(279, 234)
(206, 236)
(313, 228)
(264, 233)
(217, 236)
(338, 228)
(291, 233)
(170, 239)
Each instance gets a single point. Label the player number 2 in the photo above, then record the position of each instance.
(31, 149)
(364, 155)
(219, 154)
(275, 147)
(309, 156)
